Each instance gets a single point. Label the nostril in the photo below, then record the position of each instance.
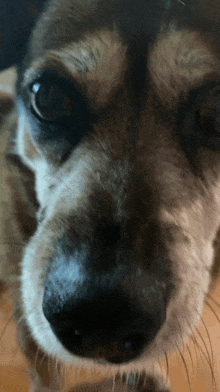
(72, 339)
(134, 342)
(108, 233)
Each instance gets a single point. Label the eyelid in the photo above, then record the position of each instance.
(69, 87)
(62, 83)
(49, 66)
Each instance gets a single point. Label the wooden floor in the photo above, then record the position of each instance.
(191, 371)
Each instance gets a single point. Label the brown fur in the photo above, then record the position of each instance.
(132, 167)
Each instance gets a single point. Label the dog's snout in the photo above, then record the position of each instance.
(95, 316)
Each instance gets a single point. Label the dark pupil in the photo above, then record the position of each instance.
(61, 110)
(46, 96)
(51, 101)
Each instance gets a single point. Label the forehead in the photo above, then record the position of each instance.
(91, 34)
(177, 61)
(101, 46)
(93, 40)
(182, 60)
(96, 63)
(66, 21)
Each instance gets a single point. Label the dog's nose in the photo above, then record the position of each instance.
(106, 327)
(103, 330)
(94, 317)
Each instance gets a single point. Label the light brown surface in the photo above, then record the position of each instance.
(200, 360)
(7, 79)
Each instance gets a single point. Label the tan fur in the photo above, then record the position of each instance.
(110, 172)
(98, 78)
(179, 61)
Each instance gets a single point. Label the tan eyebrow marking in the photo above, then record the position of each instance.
(97, 63)
(179, 60)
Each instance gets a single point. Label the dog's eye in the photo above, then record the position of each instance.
(58, 110)
(199, 120)
(50, 102)
(208, 117)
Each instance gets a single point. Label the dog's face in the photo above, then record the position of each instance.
(122, 133)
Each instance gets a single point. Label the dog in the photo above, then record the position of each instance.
(111, 161)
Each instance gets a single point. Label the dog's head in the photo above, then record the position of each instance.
(119, 120)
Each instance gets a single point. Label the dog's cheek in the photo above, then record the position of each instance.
(32, 285)
(25, 145)
(191, 268)
(191, 255)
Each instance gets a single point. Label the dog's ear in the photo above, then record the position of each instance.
(16, 21)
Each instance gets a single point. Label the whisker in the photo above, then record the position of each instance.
(138, 375)
(181, 333)
(210, 343)
(201, 337)
(54, 368)
(19, 321)
(164, 376)
(14, 243)
(185, 365)
(167, 365)
(7, 324)
(208, 304)
(113, 383)
(214, 300)
(42, 360)
(145, 380)
(4, 330)
(192, 337)
(58, 371)
(36, 356)
(188, 349)
(180, 1)
(206, 356)
(161, 369)
(196, 347)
